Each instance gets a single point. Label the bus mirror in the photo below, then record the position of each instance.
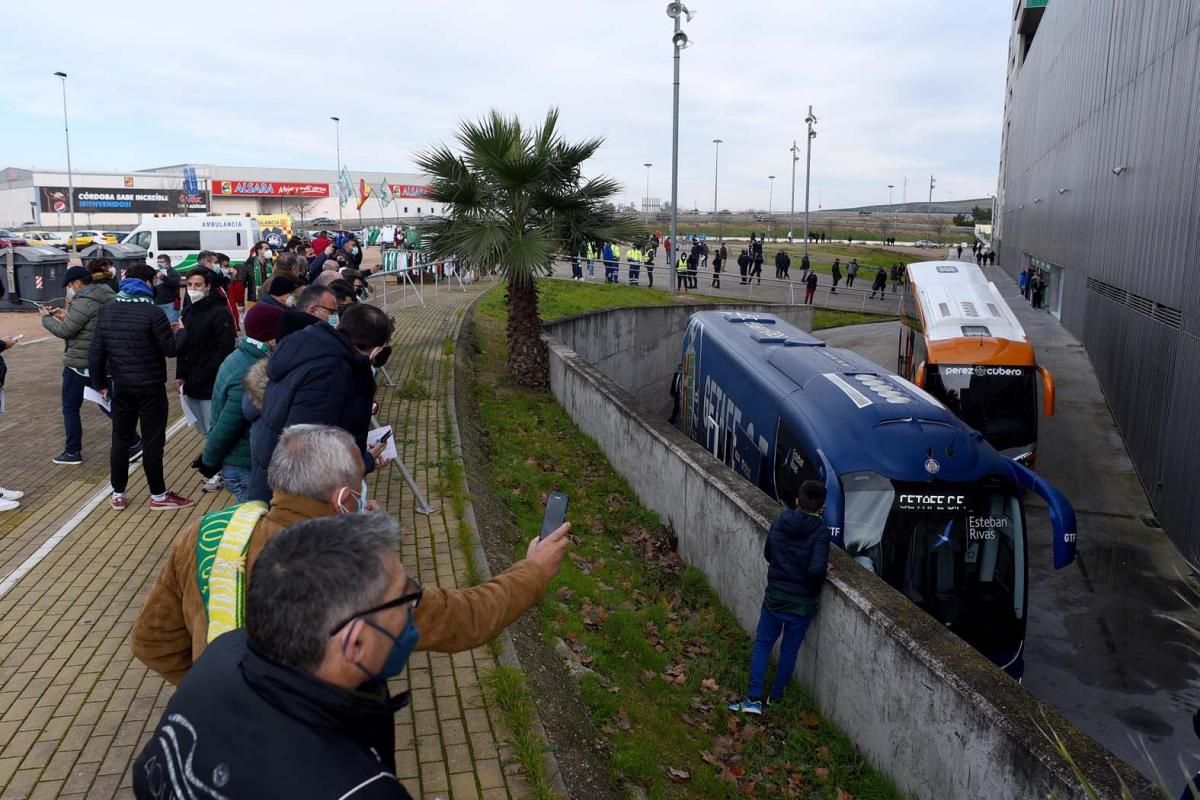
(1047, 391)
(919, 375)
(1062, 514)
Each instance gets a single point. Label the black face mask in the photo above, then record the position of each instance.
(381, 358)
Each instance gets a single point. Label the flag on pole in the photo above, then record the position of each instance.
(344, 186)
(385, 193)
(364, 191)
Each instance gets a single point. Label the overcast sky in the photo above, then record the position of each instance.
(901, 88)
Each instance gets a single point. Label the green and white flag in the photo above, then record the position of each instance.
(385, 193)
(344, 187)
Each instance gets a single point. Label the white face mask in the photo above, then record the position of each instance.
(70, 292)
(197, 294)
(291, 301)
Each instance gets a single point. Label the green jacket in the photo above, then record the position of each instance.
(228, 442)
(77, 326)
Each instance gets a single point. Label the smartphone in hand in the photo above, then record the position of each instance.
(556, 513)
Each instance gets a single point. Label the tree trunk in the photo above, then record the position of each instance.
(528, 361)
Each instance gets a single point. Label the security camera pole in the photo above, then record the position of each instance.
(811, 120)
(679, 41)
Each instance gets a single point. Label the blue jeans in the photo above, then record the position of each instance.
(770, 625)
(237, 481)
(73, 385)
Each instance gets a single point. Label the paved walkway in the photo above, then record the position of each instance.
(75, 707)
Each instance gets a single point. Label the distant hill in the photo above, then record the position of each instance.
(939, 207)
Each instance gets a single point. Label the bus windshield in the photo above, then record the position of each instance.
(999, 402)
(958, 552)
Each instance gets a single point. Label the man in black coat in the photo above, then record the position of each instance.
(743, 264)
(209, 340)
(797, 553)
(783, 263)
(130, 345)
(322, 375)
(296, 704)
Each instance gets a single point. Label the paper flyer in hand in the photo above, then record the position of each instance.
(389, 449)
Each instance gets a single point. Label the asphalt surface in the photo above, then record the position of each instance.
(1100, 646)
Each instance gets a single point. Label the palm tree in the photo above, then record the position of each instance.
(514, 197)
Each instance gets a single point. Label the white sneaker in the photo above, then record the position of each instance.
(10, 494)
(9, 505)
(214, 484)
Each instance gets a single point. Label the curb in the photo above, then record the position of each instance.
(508, 653)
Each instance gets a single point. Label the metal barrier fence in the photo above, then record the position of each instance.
(405, 265)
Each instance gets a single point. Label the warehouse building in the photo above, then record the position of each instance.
(40, 198)
(1099, 190)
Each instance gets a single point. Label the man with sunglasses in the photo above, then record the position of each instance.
(316, 472)
(296, 704)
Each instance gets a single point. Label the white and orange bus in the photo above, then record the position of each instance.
(961, 342)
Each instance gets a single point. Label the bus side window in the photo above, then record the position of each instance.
(792, 466)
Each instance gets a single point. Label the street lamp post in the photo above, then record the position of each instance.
(337, 129)
(716, 161)
(646, 200)
(770, 202)
(679, 40)
(795, 157)
(811, 119)
(890, 187)
(70, 175)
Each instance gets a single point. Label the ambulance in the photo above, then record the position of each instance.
(183, 238)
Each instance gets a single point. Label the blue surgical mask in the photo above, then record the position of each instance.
(334, 319)
(402, 648)
(362, 497)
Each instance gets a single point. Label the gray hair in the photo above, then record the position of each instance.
(314, 460)
(312, 576)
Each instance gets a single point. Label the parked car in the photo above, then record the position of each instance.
(324, 221)
(46, 239)
(82, 239)
(10, 239)
(925, 243)
(116, 236)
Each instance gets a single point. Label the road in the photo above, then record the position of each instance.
(1099, 647)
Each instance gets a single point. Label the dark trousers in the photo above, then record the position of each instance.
(808, 295)
(850, 279)
(716, 279)
(131, 405)
(680, 280)
(73, 385)
(650, 275)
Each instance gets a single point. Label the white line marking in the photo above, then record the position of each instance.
(66, 528)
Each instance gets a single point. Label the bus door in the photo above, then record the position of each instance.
(1062, 514)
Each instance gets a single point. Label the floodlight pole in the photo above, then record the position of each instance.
(337, 128)
(795, 157)
(646, 199)
(675, 149)
(70, 175)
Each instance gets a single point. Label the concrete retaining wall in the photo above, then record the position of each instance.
(923, 707)
(638, 348)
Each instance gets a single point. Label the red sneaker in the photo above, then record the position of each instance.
(117, 503)
(170, 503)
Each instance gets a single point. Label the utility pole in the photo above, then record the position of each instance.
(795, 157)
(770, 203)
(716, 164)
(890, 187)
(646, 201)
(811, 120)
(904, 193)
(932, 182)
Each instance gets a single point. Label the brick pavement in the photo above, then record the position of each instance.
(75, 707)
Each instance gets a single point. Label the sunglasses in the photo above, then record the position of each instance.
(411, 597)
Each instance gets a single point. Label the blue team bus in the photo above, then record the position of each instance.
(914, 494)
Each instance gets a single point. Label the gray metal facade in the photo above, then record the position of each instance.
(1106, 85)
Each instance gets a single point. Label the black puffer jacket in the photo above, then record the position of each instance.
(315, 376)
(797, 553)
(210, 339)
(242, 725)
(131, 343)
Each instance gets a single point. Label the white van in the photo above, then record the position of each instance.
(182, 238)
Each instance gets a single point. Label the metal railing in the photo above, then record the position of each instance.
(406, 265)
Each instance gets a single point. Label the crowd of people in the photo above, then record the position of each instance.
(214, 319)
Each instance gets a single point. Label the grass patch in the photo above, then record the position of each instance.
(832, 318)
(558, 299)
(413, 389)
(665, 656)
(506, 689)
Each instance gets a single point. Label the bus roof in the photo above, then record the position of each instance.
(958, 301)
(864, 417)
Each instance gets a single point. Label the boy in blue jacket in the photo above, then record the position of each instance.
(797, 553)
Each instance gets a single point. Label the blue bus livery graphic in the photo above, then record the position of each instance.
(914, 494)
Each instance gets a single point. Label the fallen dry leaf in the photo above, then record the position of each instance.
(822, 773)
(709, 685)
(842, 794)
(823, 753)
(679, 775)
(810, 720)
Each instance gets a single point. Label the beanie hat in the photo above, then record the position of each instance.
(281, 285)
(262, 321)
